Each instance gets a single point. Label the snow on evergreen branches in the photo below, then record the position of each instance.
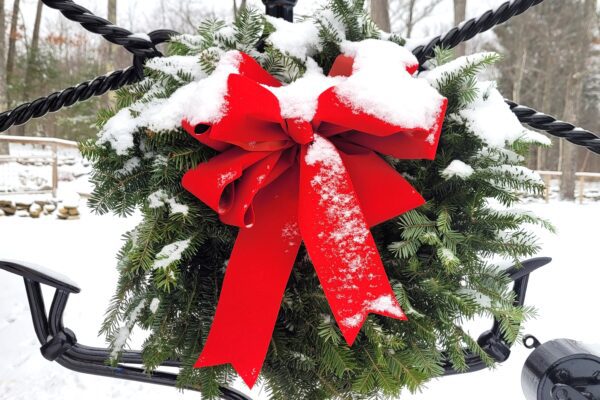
(171, 254)
(438, 257)
(458, 169)
(160, 198)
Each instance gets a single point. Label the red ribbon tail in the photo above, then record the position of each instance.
(337, 237)
(256, 277)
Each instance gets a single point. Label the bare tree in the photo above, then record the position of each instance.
(409, 13)
(32, 59)
(460, 14)
(2, 57)
(3, 105)
(112, 17)
(380, 12)
(573, 106)
(12, 42)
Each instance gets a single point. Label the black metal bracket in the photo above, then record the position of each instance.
(493, 341)
(60, 344)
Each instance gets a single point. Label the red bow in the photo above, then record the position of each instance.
(288, 181)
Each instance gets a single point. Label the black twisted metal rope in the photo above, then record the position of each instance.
(83, 91)
(555, 127)
(68, 97)
(139, 45)
(469, 29)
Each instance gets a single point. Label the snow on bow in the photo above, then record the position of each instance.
(299, 163)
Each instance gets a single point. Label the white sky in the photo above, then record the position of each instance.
(144, 15)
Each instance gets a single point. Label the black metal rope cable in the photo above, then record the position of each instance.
(138, 45)
(68, 97)
(83, 91)
(471, 28)
(555, 127)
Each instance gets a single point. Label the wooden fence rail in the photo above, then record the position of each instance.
(582, 177)
(53, 144)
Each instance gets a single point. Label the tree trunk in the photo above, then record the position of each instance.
(568, 163)
(410, 20)
(112, 17)
(3, 105)
(110, 54)
(460, 14)
(12, 45)
(32, 59)
(2, 57)
(574, 93)
(380, 12)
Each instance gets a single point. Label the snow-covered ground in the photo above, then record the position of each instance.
(31, 170)
(84, 250)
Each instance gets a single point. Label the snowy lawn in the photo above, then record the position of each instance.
(84, 250)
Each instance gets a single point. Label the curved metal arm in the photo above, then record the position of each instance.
(60, 344)
(493, 341)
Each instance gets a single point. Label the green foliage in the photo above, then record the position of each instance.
(436, 256)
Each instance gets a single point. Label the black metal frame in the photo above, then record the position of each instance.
(60, 343)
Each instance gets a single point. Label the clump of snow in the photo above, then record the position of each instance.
(175, 65)
(300, 39)
(535, 138)
(118, 131)
(125, 331)
(160, 198)
(201, 101)
(321, 151)
(490, 118)
(383, 304)
(154, 304)
(381, 86)
(129, 166)
(458, 169)
(170, 254)
(299, 99)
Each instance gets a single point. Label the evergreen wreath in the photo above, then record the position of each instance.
(442, 259)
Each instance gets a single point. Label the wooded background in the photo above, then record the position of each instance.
(551, 59)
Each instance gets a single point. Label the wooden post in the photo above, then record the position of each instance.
(54, 169)
(548, 183)
(581, 188)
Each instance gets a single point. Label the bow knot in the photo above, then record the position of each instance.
(300, 131)
(286, 180)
